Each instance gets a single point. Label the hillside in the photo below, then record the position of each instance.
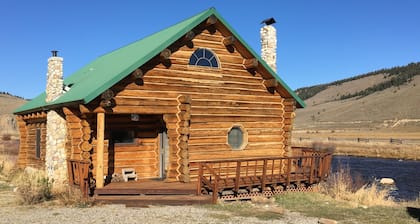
(386, 99)
(8, 104)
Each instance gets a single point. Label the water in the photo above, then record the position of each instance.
(406, 173)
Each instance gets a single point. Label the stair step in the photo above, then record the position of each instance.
(144, 200)
(136, 191)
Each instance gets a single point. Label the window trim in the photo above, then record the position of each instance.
(244, 137)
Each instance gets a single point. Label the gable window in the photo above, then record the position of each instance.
(38, 143)
(237, 137)
(204, 57)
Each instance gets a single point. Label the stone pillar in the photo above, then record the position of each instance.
(55, 158)
(269, 45)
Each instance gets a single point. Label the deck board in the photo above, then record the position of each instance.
(148, 187)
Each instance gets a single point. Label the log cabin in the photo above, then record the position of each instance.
(170, 107)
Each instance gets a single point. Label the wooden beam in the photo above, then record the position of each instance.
(250, 63)
(189, 35)
(230, 40)
(211, 20)
(84, 109)
(137, 74)
(165, 54)
(100, 130)
(107, 94)
(270, 83)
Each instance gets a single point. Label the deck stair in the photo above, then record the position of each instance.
(150, 192)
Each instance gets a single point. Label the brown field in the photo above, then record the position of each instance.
(404, 145)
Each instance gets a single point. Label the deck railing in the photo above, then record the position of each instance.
(78, 171)
(216, 176)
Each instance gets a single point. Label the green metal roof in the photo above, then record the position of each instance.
(107, 70)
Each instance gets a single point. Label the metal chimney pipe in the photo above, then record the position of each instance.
(54, 53)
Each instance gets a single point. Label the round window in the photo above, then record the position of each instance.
(237, 138)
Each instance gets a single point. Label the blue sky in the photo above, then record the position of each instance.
(318, 41)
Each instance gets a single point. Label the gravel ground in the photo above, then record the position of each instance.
(12, 213)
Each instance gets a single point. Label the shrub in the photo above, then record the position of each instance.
(32, 187)
(6, 137)
(73, 197)
(341, 186)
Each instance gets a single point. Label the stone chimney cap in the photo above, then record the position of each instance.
(269, 21)
(54, 53)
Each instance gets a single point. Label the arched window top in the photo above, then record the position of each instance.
(204, 57)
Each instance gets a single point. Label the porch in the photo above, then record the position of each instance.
(223, 179)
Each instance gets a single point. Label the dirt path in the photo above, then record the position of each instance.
(10, 212)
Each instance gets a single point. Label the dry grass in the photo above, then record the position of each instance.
(32, 187)
(368, 149)
(341, 186)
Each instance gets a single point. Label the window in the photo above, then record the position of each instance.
(38, 143)
(237, 138)
(204, 57)
(122, 136)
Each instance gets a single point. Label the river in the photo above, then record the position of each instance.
(406, 173)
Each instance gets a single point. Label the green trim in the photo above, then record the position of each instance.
(104, 72)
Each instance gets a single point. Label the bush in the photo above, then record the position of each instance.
(32, 187)
(6, 137)
(73, 197)
(341, 186)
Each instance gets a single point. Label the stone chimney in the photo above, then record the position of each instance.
(54, 77)
(269, 43)
(55, 158)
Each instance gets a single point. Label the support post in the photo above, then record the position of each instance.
(100, 150)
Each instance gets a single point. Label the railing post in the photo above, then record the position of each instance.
(264, 175)
(200, 176)
(311, 176)
(238, 175)
(215, 190)
(289, 171)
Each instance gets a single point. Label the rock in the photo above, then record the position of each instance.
(387, 181)
(326, 221)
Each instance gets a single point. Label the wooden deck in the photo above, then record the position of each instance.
(150, 192)
(234, 179)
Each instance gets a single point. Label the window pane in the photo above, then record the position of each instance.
(38, 143)
(204, 57)
(203, 62)
(235, 138)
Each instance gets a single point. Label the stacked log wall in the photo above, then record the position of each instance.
(220, 98)
(28, 126)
